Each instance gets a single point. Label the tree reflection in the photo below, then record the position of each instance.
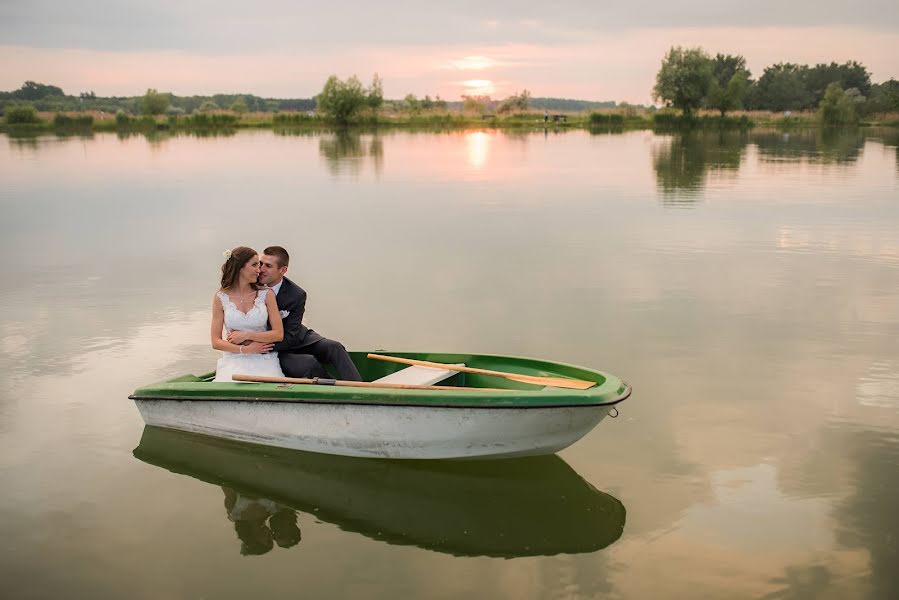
(827, 145)
(889, 137)
(682, 166)
(802, 582)
(157, 137)
(24, 140)
(347, 151)
(869, 518)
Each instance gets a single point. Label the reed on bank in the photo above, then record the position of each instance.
(25, 117)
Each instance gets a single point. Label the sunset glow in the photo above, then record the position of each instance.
(578, 52)
(474, 63)
(477, 144)
(479, 87)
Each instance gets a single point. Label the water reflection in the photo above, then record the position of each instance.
(682, 165)
(260, 523)
(25, 140)
(158, 136)
(348, 151)
(802, 582)
(826, 145)
(477, 144)
(869, 518)
(505, 508)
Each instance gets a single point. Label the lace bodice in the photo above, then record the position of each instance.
(256, 319)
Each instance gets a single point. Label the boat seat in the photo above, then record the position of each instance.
(416, 375)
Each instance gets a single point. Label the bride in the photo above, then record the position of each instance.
(243, 309)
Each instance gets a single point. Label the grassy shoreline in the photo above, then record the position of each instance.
(594, 121)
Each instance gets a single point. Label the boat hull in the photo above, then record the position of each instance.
(381, 431)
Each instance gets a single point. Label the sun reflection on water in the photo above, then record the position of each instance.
(477, 144)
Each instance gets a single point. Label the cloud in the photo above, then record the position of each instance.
(617, 66)
(228, 26)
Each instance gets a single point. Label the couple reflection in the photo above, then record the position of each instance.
(537, 506)
(260, 523)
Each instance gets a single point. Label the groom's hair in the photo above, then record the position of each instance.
(280, 253)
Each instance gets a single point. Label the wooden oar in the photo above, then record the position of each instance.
(561, 382)
(362, 384)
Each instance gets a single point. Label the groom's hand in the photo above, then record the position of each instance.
(238, 337)
(257, 348)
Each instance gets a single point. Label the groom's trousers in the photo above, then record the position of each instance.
(308, 362)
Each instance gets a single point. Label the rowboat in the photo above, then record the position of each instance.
(534, 506)
(485, 406)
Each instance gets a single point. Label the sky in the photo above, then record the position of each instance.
(583, 49)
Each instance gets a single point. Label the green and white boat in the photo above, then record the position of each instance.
(484, 406)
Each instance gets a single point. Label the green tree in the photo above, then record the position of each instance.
(515, 102)
(884, 97)
(730, 83)
(684, 79)
(36, 91)
(837, 107)
(375, 94)
(208, 106)
(413, 104)
(239, 106)
(849, 75)
(782, 87)
(154, 103)
(475, 104)
(341, 100)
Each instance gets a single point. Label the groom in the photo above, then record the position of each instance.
(302, 351)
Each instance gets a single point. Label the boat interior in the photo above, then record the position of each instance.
(394, 373)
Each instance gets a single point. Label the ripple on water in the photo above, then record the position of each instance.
(879, 387)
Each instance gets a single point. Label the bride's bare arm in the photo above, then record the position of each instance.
(218, 323)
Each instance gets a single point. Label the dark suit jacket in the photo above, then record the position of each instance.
(292, 298)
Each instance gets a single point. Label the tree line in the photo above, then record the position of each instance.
(51, 98)
(690, 79)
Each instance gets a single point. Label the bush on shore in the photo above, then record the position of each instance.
(22, 114)
(606, 119)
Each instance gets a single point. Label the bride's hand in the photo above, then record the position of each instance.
(257, 348)
(238, 337)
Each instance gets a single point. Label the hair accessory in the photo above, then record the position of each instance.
(226, 254)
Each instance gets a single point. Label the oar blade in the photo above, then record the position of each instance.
(559, 382)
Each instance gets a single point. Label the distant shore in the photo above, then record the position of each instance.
(98, 121)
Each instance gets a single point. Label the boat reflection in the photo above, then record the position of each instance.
(535, 506)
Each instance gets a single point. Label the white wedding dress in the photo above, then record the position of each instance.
(256, 319)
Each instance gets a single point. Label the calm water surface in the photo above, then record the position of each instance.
(747, 285)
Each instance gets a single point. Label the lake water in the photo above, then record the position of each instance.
(746, 285)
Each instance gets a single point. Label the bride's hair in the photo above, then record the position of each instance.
(234, 263)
